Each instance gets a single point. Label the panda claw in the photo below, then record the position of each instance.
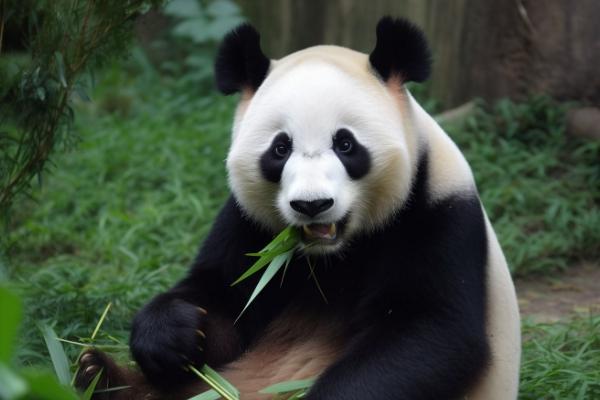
(86, 358)
(91, 370)
(202, 310)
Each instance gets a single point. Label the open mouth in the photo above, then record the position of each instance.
(323, 233)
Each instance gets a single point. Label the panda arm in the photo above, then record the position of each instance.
(427, 359)
(194, 320)
(422, 330)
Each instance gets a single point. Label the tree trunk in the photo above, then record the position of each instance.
(482, 48)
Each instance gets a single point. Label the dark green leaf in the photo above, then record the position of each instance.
(11, 317)
(45, 387)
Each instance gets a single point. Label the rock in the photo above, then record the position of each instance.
(584, 122)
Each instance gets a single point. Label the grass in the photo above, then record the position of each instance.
(540, 187)
(560, 361)
(121, 216)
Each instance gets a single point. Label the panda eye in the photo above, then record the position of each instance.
(345, 146)
(281, 150)
(343, 142)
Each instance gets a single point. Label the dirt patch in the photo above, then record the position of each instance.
(556, 297)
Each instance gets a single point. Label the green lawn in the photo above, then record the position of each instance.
(119, 218)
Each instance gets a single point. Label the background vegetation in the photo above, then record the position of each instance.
(122, 214)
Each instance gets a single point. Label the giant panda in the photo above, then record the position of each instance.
(418, 301)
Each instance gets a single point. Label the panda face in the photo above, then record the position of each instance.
(320, 147)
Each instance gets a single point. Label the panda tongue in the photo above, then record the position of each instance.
(322, 230)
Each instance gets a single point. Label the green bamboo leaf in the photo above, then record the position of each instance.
(209, 378)
(289, 386)
(208, 395)
(284, 242)
(269, 273)
(208, 371)
(89, 392)
(57, 354)
(101, 320)
(298, 395)
(257, 266)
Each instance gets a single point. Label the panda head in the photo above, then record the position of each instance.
(321, 138)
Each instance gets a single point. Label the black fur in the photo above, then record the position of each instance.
(411, 299)
(357, 161)
(401, 50)
(271, 164)
(240, 61)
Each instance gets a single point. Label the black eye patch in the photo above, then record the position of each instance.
(273, 160)
(354, 156)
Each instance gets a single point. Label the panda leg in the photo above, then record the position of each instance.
(128, 384)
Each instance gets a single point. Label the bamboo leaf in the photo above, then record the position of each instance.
(89, 392)
(269, 273)
(101, 321)
(288, 386)
(257, 266)
(209, 377)
(57, 354)
(208, 395)
(208, 371)
(284, 242)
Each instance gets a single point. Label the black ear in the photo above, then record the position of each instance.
(240, 62)
(401, 50)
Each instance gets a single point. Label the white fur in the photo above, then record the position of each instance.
(501, 380)
(310, 102)
(449, 173)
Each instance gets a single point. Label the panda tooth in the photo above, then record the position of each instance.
(332, 230)
(306, 230)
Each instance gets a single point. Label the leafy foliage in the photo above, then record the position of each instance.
(199, 26)
(560, 361)
(540, 187)
(67, 38)
(23, 383)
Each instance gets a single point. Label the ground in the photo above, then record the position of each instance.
(551, 298)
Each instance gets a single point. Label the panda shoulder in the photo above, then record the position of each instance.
(449, 173)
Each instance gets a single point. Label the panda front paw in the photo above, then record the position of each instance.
(168, 336)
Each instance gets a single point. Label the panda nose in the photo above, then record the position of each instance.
(311, 208)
